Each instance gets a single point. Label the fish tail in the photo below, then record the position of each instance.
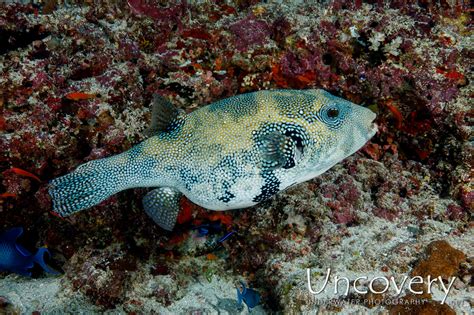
(89, 184)
(39, 259)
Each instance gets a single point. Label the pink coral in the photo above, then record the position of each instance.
(250, 32)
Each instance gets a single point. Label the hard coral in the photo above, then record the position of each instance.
(342, 197)
(250, 32)
(101, 275)
(441, 260)
(411, 183)
(153, 10)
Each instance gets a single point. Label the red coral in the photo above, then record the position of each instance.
(342, 197)
(298, 69)
(281, 29)
(452, 75)
(3, 123)
(152, 9)
(455, 212)
(373, 150)
(278, 78)
(178, 239)
(225, 219)
(223, 10)
(102, 275)
(386, 213)
(185, 215)
(467, 198)
(343, 215)
(77, 96)
(42, 197)
(198, 33)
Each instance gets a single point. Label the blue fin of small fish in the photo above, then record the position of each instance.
(39, 259)
(225, 237)
(208, 228)
(249, 296)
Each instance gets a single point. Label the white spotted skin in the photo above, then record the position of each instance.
(217, 157)
(215, 154)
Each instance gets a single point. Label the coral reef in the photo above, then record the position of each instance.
(442, 261)
(76, 81)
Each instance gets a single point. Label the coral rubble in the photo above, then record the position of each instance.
(76, 81)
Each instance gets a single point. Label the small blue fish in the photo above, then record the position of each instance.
(15, 258)
(208, 228)
(250, 297)
(225, 237)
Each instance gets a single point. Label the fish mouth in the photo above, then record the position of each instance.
(374, 127)
(360, 135)
(371, 130)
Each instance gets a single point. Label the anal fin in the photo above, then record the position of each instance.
(162, 205)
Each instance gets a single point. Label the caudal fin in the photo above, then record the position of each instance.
(39, 259)
(88, 185)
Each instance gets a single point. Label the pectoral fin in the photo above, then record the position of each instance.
(162, 205)
(278, 151)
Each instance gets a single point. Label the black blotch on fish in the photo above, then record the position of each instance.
(233, 172)
(270, 187)
(298, 146)
(227, 196)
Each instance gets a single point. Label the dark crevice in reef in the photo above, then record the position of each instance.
(184, 91)
(95, 68)
(361, 51)
(11, 40)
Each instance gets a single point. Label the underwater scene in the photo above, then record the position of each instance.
(236, 157)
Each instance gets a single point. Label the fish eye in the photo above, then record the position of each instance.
(332, 115)
(333, 112)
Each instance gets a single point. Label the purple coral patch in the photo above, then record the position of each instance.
(250, 32)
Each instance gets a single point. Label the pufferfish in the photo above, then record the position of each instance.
(230, 154)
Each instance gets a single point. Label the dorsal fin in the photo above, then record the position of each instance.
(163, 113)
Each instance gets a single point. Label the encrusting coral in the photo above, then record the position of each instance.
(76, 83)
